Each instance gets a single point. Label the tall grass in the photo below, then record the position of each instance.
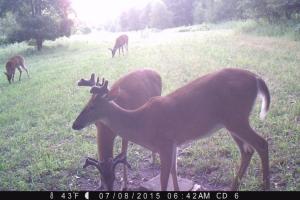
(288, 29)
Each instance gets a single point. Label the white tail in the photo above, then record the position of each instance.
(221, 99)
(265, 96)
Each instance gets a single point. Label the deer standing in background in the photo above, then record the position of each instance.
(134, 90)
(223, 99)
(121, 41)
(16, 62)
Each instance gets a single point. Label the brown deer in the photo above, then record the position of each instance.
(223, 99)
(15, 62)
(121, 41)
(134, 90)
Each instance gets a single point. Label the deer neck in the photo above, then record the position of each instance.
(116, 47)
(122, 121)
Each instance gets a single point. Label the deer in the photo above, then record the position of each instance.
(221, 99)
(130, 95)
(121, 41)
(15, 62)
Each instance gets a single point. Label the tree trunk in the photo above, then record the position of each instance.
(288, 14)
(39, 44)
(32, 8)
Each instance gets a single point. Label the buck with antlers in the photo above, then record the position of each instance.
(16, 62)
(134, 90)
(223, 99)
(121, 41)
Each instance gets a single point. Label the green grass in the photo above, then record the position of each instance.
(40, 151)
(289, 29)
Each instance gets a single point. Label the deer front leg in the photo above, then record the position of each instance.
(174, 170)
(166, 165)
(124, 150)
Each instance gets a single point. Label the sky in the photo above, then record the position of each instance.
(95, 12)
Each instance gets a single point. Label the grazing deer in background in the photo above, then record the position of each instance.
(16, 62)
(223, 99)
(121, 41)
(134, 90)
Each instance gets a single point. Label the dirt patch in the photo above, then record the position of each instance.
(145, 171)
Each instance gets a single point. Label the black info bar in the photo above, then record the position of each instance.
(199, 195)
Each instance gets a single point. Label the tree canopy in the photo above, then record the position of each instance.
(166, 13)
(40, 20)
(37, 20)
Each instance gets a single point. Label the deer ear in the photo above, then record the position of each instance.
(113, 94)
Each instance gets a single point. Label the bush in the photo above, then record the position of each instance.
(3, 41)
(288, 29)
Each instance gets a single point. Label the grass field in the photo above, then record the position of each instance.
(40, 151)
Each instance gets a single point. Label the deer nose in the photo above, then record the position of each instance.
(77, 126)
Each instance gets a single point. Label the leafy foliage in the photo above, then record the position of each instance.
(38, 20)
(155, 14)
(160, 16)
(165, 13)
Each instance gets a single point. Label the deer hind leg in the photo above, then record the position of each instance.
(246, 154)
(245, 133)
(125, 178)
(25, 68)
(20, 73)
(13, 77)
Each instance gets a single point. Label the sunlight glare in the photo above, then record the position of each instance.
(96, 12)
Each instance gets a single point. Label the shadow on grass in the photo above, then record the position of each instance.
(46, 50)
(5, 84)
(28, 50)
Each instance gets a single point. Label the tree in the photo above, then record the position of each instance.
(160, 16)
(272, 10)
(204, 11)
(145, 16)
(182, 11)
(38, 20)
(7, 24)
(124, 21)
(134, 19)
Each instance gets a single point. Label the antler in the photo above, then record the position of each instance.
(100, 84)
(121, 158)
(90, 83)
(91, 161)
(100, 88)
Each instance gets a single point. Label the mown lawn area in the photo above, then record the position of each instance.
(40, 151)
